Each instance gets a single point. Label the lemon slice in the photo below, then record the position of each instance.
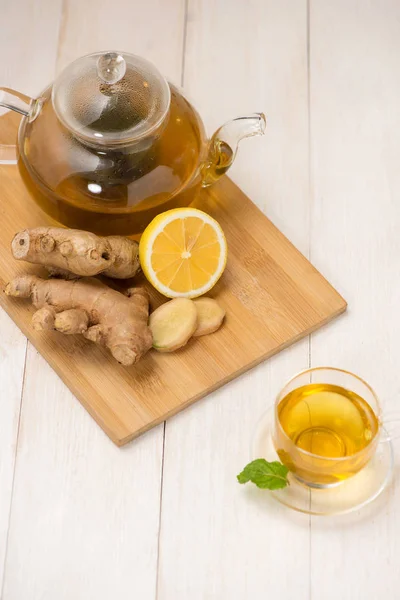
(183, 253)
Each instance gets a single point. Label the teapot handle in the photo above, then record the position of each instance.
(19, 103)
(8, 154)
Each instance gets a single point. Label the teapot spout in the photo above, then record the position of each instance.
(224, 144)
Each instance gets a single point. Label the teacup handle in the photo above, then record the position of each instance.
(390, 426)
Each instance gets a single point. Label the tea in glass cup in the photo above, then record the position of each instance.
(327, 425)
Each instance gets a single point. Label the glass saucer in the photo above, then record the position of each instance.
(352, 494)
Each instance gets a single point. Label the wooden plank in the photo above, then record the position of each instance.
(12, 360)
(86, 514)
(28, 39)
(269, 290)
(225, 540)
(152, 29)
(28, 44)
(355, 125)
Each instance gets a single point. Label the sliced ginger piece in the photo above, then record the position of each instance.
(209, 316)
(173, 324)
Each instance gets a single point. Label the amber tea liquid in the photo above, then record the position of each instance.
(328, 422)
(113, 192)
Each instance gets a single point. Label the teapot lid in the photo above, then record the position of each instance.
(111, 98)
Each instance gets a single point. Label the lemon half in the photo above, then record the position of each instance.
(183, 253)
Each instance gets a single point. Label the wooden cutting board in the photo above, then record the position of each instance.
(272, 294)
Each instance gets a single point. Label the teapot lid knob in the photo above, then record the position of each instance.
(111, 67)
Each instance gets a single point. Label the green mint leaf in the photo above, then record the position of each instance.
(266, 475)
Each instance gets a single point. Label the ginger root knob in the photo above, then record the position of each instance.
(88, 306)
(80, 252)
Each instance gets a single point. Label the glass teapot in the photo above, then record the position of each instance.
(110, 144)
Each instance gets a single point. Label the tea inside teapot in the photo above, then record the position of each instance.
(111, 144)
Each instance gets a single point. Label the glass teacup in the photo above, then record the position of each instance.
(328, 423)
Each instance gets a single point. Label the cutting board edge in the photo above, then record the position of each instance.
(29, 333)
(314, 302)
(120, 442)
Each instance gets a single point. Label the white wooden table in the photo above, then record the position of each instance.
(164, 518)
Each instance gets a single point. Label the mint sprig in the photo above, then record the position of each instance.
(265, 475)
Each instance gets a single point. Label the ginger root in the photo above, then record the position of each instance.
(173, 324)
(79, 252)
(209, 316)
(89, 307)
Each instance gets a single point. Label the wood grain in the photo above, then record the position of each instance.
(355, 126)
(154, 29)
(226, 540)
(85, 515)
(272, 295)
(28, 44)
(75, 530)
(85, 511)
(12, 360)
